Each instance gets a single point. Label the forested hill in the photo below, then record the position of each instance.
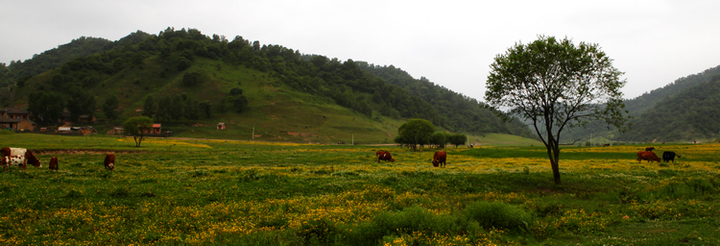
(459, 111)
(643, 103)
(83, 46)
(215, 71)
(691, 114)
(680, 111)
(17, 72)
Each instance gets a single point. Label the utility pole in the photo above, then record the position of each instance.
(352, 141)
(253, 135)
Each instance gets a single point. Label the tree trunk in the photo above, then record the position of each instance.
(553, 150)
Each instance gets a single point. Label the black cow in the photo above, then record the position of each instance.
(669, 156)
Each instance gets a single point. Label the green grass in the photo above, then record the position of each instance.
(213, 192)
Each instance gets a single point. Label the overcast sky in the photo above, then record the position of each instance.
(451, 43)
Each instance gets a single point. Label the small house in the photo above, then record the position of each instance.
(14, 113)
(17, 124)
(64, 130)
(221, 126)
(156, 129)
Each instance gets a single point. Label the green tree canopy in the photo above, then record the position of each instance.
(555, 85)
(110, 106)
(149, 108)
(46, 107)
(457, 139)
(416, 131)
(81, 102)
(137, 127)
(439, 139)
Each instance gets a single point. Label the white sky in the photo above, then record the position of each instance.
(452, 43)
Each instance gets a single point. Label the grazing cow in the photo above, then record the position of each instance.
(669, 156)
(439, 159)
(19, 157)
(110, 161)
(385, 156)
(647, 155)
(649, 148)
(54, 163)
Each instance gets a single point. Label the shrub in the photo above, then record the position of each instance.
(498, 215)
(407, 221)
(319, 230)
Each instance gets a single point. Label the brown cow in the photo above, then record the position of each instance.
(54, 163)
(439, 159)
(647, 155)
(649, 148)
(110, 161)
(385, 156)
(19, 157)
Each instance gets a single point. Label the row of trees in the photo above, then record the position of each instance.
(47, 107)
(179, 107)
(420, 132)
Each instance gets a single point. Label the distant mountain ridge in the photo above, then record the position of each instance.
(192, 69)
(679, 111)
(643, 103)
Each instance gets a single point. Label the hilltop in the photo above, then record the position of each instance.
(192, 82)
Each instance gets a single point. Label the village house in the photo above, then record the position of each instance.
(221, 126)
(156, 129)
(14, 113)
(16, 120)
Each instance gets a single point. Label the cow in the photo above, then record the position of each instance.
(647, 155)
(110, 161)
(439, 159)
(19, 157)
(53, 163)
(669, 156)
(649, 148)
(385, 156)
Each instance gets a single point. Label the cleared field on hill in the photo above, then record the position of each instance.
(243, 193)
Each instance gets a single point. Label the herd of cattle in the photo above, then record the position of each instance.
(650, 156)
(438, 159)
(21, 157)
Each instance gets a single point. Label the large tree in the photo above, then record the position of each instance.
(149, 108)
(137, 127)
(110, 106)
(414, 132)
(46, 107)
(81, 102)
(556, 85)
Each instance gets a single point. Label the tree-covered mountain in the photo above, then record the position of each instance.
(458, 111)
(647, 101)
(657, 115)
(184, 75)
(691, 114)
(83, 46)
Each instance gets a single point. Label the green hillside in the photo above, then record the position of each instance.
(196, 81)
(679, 111)
(692, 114)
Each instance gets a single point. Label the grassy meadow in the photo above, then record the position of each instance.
(217, 192)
